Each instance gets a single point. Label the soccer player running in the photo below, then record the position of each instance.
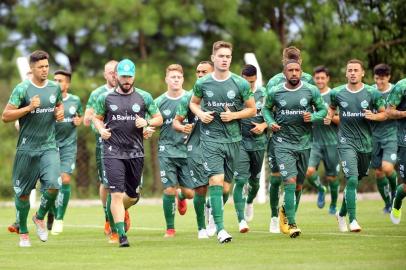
(397, 110)
(66, 141)
(324, 146)
(356, 102)
(109, 71)
(252, 149)
(277, 225)
(218, 101)
(172, 151)
(384, 143)
(36, 103)
(194, 152)
(291, 123)
(120, 119)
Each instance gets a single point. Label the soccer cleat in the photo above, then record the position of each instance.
(127, 221)
(283, 221)
(57, 227)
(354, 226)
(249, 212)
(342, 224)
(211, 226)
(170, 233)
(224, 237)
(321, 198)
(113, 239)
(182, 204)
(107, 229)
(294, 231)
(395, 215)
(202, 234)
(243, 226)
(24, 240)
(332, 210)
(274, 225)
(42, 231)
(124, 241)
(14, 228)
(50, 220)
(387, 209)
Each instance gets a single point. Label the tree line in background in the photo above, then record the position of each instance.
(82, 35)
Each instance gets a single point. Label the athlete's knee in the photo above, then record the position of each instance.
(226, 187)
(291, 180)
(331, 178)
(188, 193)
(310, 171)
(132, 200)
(24, 197)
(201, 191)
(387, 168)
(52, 191)
(65, 178)
(299, 187)
(170, 191)
(379, 173)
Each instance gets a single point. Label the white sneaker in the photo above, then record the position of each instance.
(24, 240)
(224, 237)
(249, 212)
(202, 234)
(395, 215)
(354, 226)
(342, 224)
(243, 226)
(211, 226)
(274, 225)
(42, 231)
(57, 227)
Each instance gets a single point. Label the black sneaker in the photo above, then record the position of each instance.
(50, 220)
(124, 241)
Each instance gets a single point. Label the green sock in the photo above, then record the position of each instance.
(253, 186)
(120, 228)
(208, 202)
(198, 202)
(181, 196)
(239, 198)
(225, 197)
(47, 200)
(393, 181)
(334, 188)
(168, 203)
(23, 208)
(314, 180)
(298, 194)
(400, 194)
(110, 215)
(63, 200)
(383, 188)
(343, 209)
(351, 196)
(290, 202)
(216, 201)
(106, 215)
(274, 194)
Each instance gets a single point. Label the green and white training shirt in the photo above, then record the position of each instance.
(397, 98)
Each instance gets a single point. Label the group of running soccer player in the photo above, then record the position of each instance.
(209, 136)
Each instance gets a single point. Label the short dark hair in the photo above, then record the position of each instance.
(206, 62)
(356, 61)
(38, 55)
(320, 69)
(64, 73)
(382, 70)
(249, 70)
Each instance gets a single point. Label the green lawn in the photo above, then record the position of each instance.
(380, 245)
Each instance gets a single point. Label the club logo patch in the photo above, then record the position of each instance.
(113, 107)
(303, 102)
(72, 110)
(393, 157)
(364, 104)
(259, 105)
(344, 104)
(282, 103)
(52, 99)
(136, 108)
(209, 94)
(167, 112)
(231, 94)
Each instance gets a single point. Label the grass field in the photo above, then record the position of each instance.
(380, 245)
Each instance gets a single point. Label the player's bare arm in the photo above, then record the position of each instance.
(12, 113)
(205, 117)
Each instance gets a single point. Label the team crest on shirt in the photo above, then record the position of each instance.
(259, 105)
(344, 104)
(364, 104)
(59, 181)
(303, 102)
(52, 99)
(113, 107)
(231, 94)
(17, 190)
(136, 108)
(72, 109)
(209, 93)
(326, 105)
(282, 103)
(167, 112)
(393, 157)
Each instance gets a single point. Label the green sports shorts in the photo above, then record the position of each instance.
(328, 154)
(383, 151)
(354, 163)
(273, 166)
(67, 155)
(29, 166)
(197, 172)
(174, 172)
(220, 158)
(292, 163)
(402, 162)
(250, 164)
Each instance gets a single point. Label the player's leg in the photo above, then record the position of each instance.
(275, 181)
(389, 160)
(242, 175)
(186, 184)
(396, 212)
(302, 164)
(312, 175)
(256, 161)
(332, 168)
(103, 190)
(382, 182)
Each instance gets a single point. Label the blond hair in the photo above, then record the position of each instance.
(174, 67)
(221, 44)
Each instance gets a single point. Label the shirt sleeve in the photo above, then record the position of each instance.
(267, 110)
(197, 89)
(151, 105)
(318, 103)
(245, 90)
(378, 100)
(183, 107)
(395, 96)
(17, 96)
(100, 105)
(333, 99)
(79, 111)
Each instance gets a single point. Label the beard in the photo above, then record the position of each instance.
(294, 82)
(126, 87)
